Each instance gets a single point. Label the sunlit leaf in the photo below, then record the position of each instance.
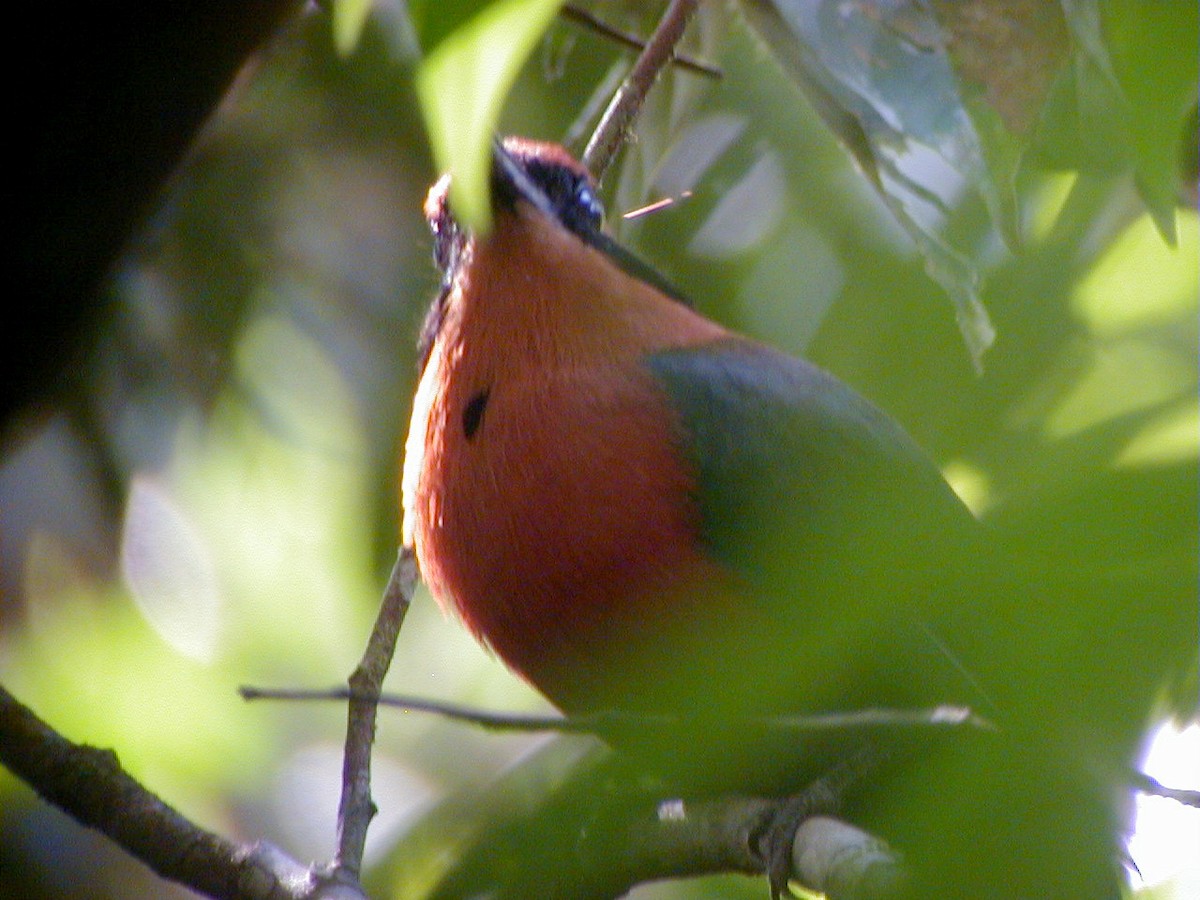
(1171, 437)
(349, 19)
(1121, 377)
(462, 85)
(1141, 282)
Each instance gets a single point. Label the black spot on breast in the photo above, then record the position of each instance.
(473, 413)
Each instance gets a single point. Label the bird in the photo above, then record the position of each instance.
(640, 510)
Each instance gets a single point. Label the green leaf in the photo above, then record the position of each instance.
(884, 84)
(934, 98)
(462, 85)
(349, 19)
(435, 20)
(1083, 124)
(1005, 56)
(1154, 59)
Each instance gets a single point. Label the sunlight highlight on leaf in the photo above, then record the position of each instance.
(1122, 377)
(462, 85)
(169, 571)
(349, 19)
(1172, 437)
(971, 484)
(1140, 281)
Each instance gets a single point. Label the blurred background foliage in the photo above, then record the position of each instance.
(212, 501)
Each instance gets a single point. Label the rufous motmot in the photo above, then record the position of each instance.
(639, 510)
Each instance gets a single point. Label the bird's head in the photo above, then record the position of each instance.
(527, 176)
(535, 178)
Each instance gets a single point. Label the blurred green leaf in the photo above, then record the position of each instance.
(462, 85)
(1082, 125)
(349, 19)
(441, 856)
(1154, 57)
(90, 664)
(435, 20)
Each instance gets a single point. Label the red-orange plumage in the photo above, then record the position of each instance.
(567, 518)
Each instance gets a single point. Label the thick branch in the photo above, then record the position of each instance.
(718, 836)
(596, 838)
(89, 784)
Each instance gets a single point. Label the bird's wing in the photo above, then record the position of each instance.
(832, 514)
(775, 437)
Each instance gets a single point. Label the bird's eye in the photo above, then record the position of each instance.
(588, 204)
(576, 202)
(570, 192)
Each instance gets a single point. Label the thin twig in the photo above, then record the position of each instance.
(583, 17)
(614, 126)
(356, 808)
(468, 715)
(605, 724)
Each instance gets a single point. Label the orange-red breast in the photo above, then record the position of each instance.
(637, 509)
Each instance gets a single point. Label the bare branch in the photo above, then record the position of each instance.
(617, 725)
(612, 131)
(1152, 787)
(89, 784)
(356, 808)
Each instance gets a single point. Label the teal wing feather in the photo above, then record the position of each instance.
(773, 437)
(832, 515)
